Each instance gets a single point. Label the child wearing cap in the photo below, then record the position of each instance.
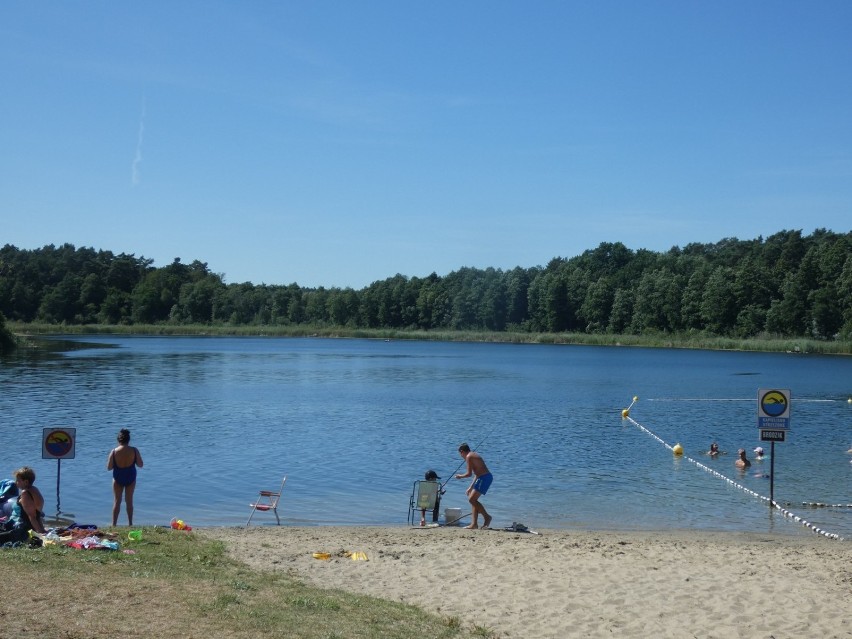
(758, 452)
(431, 475)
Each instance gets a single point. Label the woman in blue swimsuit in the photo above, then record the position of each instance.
(122, 461)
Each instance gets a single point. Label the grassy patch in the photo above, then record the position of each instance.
(178, 584)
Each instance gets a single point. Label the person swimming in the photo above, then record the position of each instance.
(742, 461)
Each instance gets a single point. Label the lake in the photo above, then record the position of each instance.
(353, 423)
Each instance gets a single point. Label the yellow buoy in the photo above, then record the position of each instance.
(677, 449)
(625, 413)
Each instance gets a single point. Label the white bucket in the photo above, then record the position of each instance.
(452, 516)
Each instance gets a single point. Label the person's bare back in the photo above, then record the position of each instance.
(476, 464)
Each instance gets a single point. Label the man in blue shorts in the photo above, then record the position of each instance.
(482, 480)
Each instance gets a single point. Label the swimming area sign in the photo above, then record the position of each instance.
(773, 408)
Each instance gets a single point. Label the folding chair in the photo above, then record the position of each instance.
(425, 495)
(267, 500)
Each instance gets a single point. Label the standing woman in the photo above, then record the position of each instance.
(122, 461)
(27, 511)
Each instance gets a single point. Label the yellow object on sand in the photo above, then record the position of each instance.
(322, 555)
(358, 556)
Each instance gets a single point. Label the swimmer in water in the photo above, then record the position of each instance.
(714, 450)
(742, 462)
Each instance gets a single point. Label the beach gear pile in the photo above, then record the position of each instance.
(80, 536)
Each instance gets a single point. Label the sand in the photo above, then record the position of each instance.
(578, 584)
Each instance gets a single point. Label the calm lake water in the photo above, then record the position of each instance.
(353, 423)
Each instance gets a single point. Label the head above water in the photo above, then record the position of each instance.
(124, 436)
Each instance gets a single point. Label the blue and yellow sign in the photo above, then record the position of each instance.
(773, 408)
(58, 443)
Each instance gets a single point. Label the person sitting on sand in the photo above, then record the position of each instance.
(27, 512)
(482, 480)
(742, 462)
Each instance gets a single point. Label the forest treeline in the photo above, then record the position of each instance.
(786, 285)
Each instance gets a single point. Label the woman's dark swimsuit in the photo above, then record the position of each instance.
(127, 475)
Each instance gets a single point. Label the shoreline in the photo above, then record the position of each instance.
(800, 345)
(576, 583)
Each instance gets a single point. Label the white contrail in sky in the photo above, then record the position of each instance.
(136, 177)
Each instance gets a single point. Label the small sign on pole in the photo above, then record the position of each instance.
(773, 408)
(58, 444)
(773, 420)
(773, 435)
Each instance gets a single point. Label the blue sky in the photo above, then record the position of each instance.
(340, 143)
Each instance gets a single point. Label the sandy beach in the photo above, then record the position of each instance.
(577, 584)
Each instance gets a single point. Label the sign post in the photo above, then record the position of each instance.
(773, 421)
(58, 444)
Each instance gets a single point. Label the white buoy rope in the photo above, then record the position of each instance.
(790, 515)
(816, 504)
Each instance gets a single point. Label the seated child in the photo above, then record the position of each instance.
(431, 475)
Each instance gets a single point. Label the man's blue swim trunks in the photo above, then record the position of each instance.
(482, 483)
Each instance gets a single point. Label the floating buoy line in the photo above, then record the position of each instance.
(816, 504)
(678, 450)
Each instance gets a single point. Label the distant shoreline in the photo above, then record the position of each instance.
(790, 345)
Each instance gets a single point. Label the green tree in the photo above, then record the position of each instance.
(656, 306)
(517, 296)
(116, 308)
(719, 304)
(596, 309)
(693, 296)
(549, 303)
(343, 307)
(844, 295)
(60, 303)
(197, 299)
(622, 311)
(7, 339)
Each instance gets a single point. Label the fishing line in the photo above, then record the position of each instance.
(625, 414)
